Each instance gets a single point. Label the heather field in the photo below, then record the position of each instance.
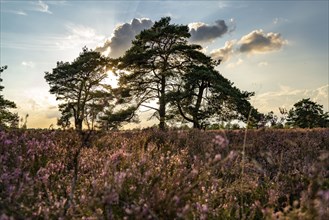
(152, 174)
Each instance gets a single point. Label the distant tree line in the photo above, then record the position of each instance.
(162, 67)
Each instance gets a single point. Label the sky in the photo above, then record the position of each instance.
(277, 49)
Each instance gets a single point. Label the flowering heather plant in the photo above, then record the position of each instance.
(153, 174)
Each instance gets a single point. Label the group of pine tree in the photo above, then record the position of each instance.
(162, 67)
(162, 72)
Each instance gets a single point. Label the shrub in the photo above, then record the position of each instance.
(153, 174)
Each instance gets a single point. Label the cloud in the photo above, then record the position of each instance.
(42, 109)
(321, 95)
(255, 42)
(28, 64)
(201, 32)
(20, 12)
(125, 33)
(280, 20)
(42, 7)
(76, 37)
(53, 114)
(123, 36)
(259, 42)
(225, 52)
(79, 36)
(235, 64)
(287, 96)
(17, 12)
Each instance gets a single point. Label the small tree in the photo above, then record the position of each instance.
(307, 114)
(77, 85)
(7, 118)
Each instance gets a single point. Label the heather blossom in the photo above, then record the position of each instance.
(164, 175)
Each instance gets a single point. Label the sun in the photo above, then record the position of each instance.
(111, 79)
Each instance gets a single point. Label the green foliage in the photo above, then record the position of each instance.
(154, 64)
(204, 95)
(162, 66)
(308, 114)
(78, 85)
(7, 118)
(112, 120)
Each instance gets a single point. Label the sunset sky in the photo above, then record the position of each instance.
(278, 49)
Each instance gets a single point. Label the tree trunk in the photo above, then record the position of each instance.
(162, 104)
(78, 124)
(196, 123)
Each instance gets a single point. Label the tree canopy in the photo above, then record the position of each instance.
(78, 85)
(162, 66)
(150, 68)
(204, 94)
(308, 114)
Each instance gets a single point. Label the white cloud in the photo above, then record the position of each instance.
(81, 31)
(42, 7)
(196, 25)
(253, 43)
(79, 36)
(225, 52)
(28, 64)
(201, 32)
(259, 42)
(321, 94)
(287, 96)
(17, 12)
(123, 36)
(40, 105)
(20, 12)
(279, 20)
